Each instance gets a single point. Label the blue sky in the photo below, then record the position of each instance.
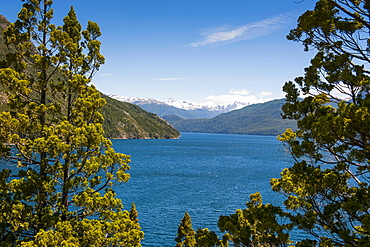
(215, 51)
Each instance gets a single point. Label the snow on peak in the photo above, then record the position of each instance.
(135, 100)
(181, 104)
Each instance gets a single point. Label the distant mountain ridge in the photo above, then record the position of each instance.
(257, 119)
(182, 108)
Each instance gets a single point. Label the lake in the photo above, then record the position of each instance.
(207, 175)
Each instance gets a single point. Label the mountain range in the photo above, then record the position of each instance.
(182, 108)
(257, 119)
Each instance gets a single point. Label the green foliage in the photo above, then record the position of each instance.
(3, 26)
(327, 188)
(185, 233)
(257, 119)
(257, 225)
(187, 237)
(206, 238)
(58, 188)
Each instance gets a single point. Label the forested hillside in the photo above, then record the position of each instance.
(129, 121)
(122, 120)
(257, 119)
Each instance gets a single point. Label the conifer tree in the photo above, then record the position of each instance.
(185, 233)
(57, 188)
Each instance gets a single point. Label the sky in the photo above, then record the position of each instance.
(203, 51)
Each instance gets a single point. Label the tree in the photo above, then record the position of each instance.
(327, 188)
(57, 189)
(207, 238)
(185, 233)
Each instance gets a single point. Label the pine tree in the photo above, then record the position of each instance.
(185, 233)
(57, 188)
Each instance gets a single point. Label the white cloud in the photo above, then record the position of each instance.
(246, 32)
(242, 95)
(265, 93)
(171, 79)
(241, 92)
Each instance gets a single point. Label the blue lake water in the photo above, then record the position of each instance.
(207, 175)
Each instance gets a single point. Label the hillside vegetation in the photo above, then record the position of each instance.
(122, 120)
(129, 121)
(257, 119)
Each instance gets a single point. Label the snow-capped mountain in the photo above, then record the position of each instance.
(180, 104)
(135, 100)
